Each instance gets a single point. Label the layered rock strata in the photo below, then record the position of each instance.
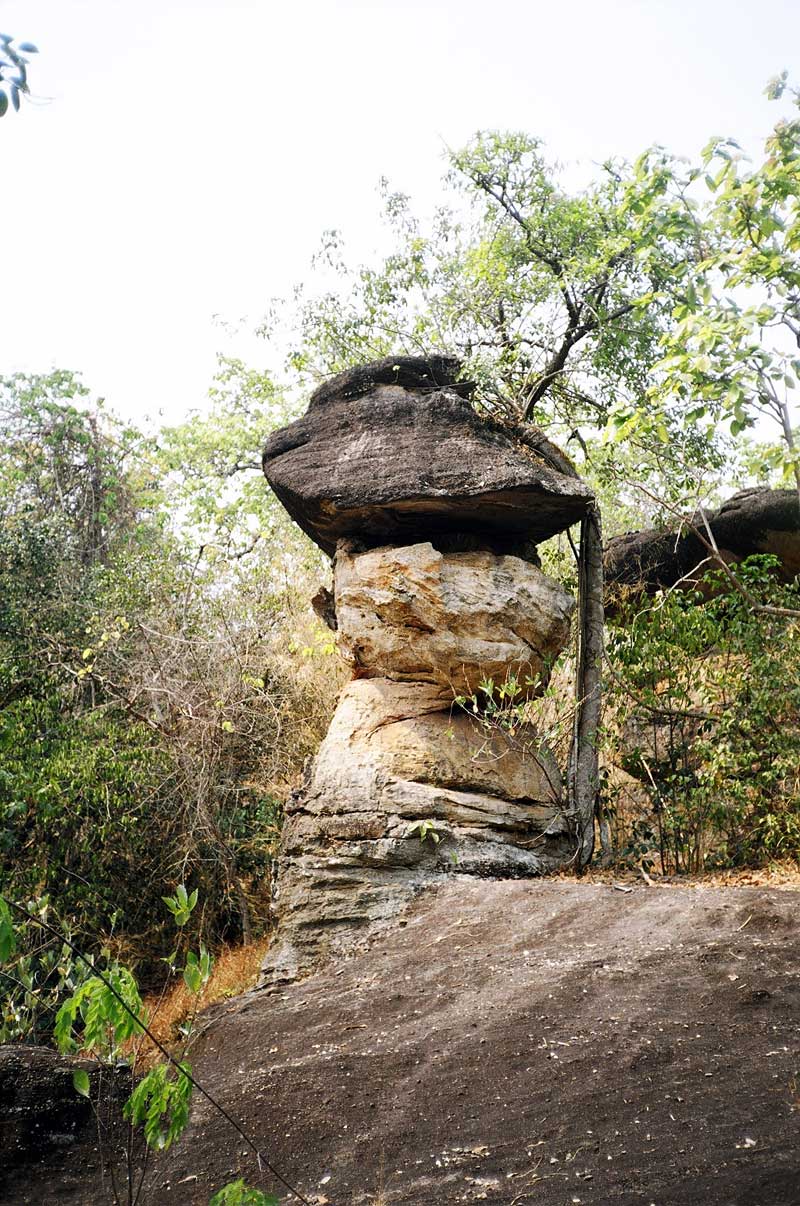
(414, 780)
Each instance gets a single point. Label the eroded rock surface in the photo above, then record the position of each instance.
(392, 452)
(40, 1109)
(433, 515)
(752, 521)
(454, 619)
(407, 786)
(413, 731)
(404, 791)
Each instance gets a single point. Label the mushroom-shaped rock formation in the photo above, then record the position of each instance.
(393, 452)
(432, 515)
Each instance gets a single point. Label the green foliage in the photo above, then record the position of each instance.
(152, 710)
(556, 300)
(238, 1194)
(197, 971)
(8, 939)
(181, 904)
(729, 354)
(160, 1104)
(708, 697)
(105, 1013)
(649, 319)
(102, 1015)
(77, 789)
(426, 830)
(37, 972)
(14, 60)
(503, 704)
(212, 467)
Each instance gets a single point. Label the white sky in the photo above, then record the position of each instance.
(190, 152)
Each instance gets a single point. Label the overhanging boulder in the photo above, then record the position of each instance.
(393, 452)
(753, 521)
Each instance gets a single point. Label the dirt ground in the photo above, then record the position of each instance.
(545, 1042)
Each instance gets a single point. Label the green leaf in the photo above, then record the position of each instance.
(8, 941)
(237, 1193)
(192, 975)
(80, 1079)
(3, 103)
(160, 1103)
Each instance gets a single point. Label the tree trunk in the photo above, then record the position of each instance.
(584, 779)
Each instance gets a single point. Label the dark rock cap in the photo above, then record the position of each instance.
(393, 452)
(757, 520)
(412, 372)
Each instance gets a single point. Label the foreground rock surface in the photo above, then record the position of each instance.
(393, 451)
(455, 619)
(532, 1041)
(40, 1112)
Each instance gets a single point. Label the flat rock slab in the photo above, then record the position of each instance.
(404, 461)
(42, 1116)
(538, 1042)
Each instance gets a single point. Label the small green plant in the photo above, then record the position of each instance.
(160, 1104)
(38, 973)
(239, 1194)
(427, 831)
(501, 704)
(106, 1013)
(181, 904)
(102, 1016)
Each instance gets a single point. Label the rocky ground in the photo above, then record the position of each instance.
(546, 1042)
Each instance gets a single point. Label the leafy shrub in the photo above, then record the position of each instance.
(706, 705)
(36, 977)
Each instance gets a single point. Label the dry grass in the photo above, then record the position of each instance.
(778, 874)
(235, 970)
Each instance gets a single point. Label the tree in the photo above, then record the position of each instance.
(552, 299)
(730, 354)
(157, 695)
(13, 71)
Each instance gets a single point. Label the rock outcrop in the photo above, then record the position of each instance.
(432, 515)
(40, 1110)
(752, 521)
(456, 619)
(394, 453)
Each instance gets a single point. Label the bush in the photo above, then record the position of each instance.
(705, 704)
